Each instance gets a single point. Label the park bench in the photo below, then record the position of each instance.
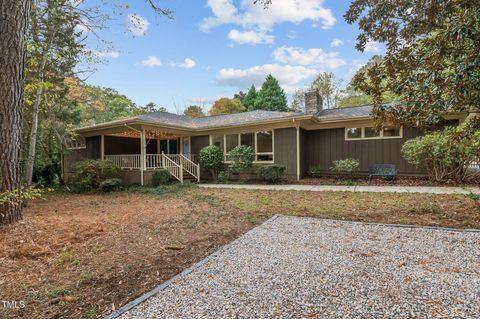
(388, 171)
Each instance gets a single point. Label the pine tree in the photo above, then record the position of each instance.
(271, 96)
(249, 99)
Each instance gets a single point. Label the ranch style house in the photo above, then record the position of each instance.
(298, 140)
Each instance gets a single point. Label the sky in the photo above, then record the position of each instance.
(215, 48)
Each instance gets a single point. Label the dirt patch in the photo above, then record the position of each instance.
(80, 256)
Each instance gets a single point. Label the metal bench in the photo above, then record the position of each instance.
(388, 171)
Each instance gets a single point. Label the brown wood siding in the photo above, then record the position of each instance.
(91, 151)
(325, 146)
(285, 151)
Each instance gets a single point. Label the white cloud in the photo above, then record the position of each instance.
(203, 99)
(314, 56)
(287, 75)
(251, 15)
(336, 43)
(138, 25)
(372, 46)
(104, 54)
(151, 62)
(188, 64)
(83, 28)
(250, 37)
(257, 23)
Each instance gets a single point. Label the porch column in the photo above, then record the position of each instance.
(298, 153)
(143, 155)
(102, 147)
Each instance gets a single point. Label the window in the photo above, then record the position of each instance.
(354, 132)
(371, 132)
(368, 132)
(262, 142)
(164, 146)
(173, 147)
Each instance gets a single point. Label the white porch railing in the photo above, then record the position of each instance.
(125, 161)
(174, 163)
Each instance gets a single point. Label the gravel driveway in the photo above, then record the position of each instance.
(293, 267)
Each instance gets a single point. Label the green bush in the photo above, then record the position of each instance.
(348, 166)
(446, 155)
(161, 177)
(270, 173)
(242, 157)
(110, 185)
(88, 174)
(315, 171)
(211, 158)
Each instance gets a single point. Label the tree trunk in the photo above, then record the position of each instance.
(13, 26)
(32, 141)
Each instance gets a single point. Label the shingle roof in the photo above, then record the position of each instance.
(215, 120)
(345, 112)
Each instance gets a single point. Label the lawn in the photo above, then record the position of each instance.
(81, 256)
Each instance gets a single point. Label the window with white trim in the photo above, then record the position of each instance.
(370, 133)
(261, 142)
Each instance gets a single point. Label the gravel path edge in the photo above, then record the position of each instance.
(151, 293)
(147, 295)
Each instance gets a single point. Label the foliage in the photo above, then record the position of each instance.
(242, 157)
(20, 195)
(271, 96)
(271, 173)
(328, 88)
(249, 99)
(315, 171)
(211, 158)
(347, 166)
(110, 185)
(161, 177)
(227, 106)
(298, 101)
(239, 96)
(447, 154)
(194, 111)
(88, 174)
(432, 60)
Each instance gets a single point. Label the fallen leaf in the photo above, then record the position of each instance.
(70, 298)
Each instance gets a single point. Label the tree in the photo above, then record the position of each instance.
(271, 96)
(328, 87)
(298, 101)
(240, 96)
(14, 15)
(149, 107)
(249, 99)
(227, 106)
(194, 111)
(432, 60)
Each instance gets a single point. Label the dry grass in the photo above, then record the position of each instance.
(79, 256)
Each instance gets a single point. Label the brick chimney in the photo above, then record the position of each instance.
(313, 102)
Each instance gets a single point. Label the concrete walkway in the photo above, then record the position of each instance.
(333, 188)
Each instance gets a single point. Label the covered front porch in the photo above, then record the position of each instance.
(140, 151)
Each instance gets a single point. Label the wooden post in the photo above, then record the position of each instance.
(102, 147)
(298, 153)
(143, 156)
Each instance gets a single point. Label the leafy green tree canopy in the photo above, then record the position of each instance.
(432, 60)
(194, 111)
(249, 99)
(227, 106)
(271, 96)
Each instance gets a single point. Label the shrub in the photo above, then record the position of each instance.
(211, 158)
(271, 173)
(314, 171)
(88, 174)
(242, 157)
(161, 177)
(110, 185)
(346, 166)
(446, 155)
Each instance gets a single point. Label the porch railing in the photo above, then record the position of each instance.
(174, 163)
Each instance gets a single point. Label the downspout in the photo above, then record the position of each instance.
(297, 127)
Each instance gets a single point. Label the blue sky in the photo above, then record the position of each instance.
(214, 48)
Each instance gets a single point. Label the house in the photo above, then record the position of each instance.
(140, 144)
